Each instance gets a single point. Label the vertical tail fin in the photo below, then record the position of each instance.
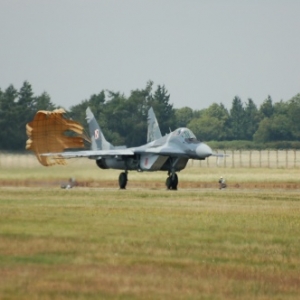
(97, 138)
(153, 127)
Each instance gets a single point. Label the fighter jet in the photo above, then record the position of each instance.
(168, 153)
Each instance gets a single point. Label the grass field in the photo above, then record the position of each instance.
(97, 242)
(151, 243)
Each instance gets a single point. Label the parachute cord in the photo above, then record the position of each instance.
(85, 135)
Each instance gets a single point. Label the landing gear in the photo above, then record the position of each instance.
(172, 182)
(123, 180)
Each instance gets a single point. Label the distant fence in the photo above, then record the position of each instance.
(233, 159)
(253, 159)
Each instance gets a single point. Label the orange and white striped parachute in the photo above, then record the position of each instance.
(47, 133)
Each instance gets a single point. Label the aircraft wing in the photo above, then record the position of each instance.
(91, 153)
(164, 151)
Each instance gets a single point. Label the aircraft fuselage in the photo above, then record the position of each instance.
(169, 152)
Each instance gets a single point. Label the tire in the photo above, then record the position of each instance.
(123, 180)
(168, 183)
(174, 181)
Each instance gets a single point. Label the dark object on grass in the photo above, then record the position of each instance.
(71, 183)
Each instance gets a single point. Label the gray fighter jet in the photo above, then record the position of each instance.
(161, 153)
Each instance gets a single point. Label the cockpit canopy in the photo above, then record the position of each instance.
(187, 134)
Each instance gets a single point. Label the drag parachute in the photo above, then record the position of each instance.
(51, 132)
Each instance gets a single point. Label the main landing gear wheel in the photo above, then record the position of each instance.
(123, 180)
(172, 182)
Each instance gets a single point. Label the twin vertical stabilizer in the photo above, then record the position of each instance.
(98, 141)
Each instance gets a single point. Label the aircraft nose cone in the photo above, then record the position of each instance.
(203, 150)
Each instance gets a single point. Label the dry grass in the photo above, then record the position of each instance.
(150, 244)
(147, 242)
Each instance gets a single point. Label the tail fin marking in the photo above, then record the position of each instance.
(98, 141)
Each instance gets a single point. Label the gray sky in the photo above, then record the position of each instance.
(202, 51)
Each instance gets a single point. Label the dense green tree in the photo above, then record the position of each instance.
(263, 134)
(237, 119)
(219, 112)
(281, 128)
(280, 125)
(43, 102)
(17, 108)
(212, 124)
(125, 115)
(183, 116)
(199, 113)
(206, 128)
(26, 99)
(8, 119)
(123, 119)
(293, 111)
(281, 107)
(276, 128)
(25, 111)
(252, 119)
(267, 109)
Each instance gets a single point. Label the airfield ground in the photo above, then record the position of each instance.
(87, 174)
(97, 242)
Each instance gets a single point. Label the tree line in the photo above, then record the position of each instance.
(123, 118)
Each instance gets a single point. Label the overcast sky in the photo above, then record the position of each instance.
(202, 51)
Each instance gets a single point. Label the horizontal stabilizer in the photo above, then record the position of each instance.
(91, 153)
